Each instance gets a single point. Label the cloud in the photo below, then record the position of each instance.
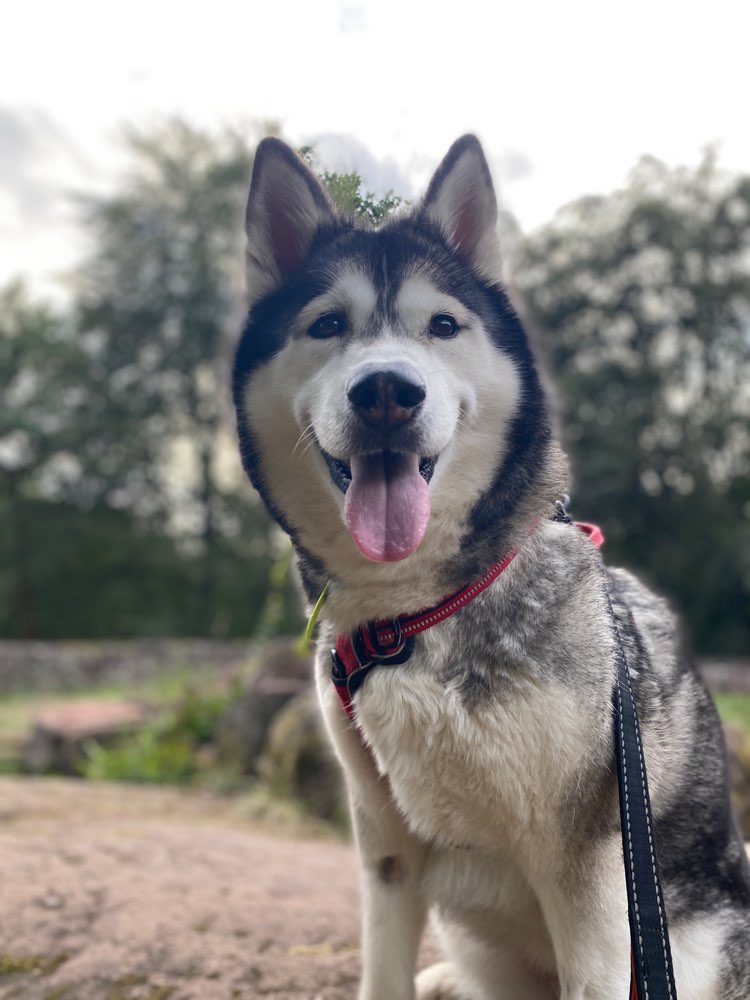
(512, 165)
(39, 167)
(38, 160)
(352, 17)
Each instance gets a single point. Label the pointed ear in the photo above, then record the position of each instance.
(285, 209)
(461, 202)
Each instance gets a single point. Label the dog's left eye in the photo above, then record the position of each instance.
(330, 325)
(443, 325)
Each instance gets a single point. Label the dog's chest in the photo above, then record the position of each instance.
(490, 771)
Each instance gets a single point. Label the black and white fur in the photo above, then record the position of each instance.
(481, 772)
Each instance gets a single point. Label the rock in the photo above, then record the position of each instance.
(298, 761)
(60, 732)
(282, 673)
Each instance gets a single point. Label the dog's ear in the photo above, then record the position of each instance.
(460, 200)
(285, 209)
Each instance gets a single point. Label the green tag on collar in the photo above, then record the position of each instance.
(303, 646)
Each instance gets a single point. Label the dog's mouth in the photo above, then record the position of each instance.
(387, 501)
(341, 472)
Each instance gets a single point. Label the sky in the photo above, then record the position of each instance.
(565, 96)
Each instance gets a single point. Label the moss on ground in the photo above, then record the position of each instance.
(42, 965)
(133, 985)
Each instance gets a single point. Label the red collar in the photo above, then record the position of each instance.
(390, 641)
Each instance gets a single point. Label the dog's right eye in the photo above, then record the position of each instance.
(443, 325)
(330, 325)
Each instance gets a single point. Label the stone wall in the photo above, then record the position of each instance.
(727, 674)
(71, 666)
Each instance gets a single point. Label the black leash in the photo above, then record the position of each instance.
(652, 976)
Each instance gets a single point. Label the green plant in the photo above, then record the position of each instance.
(169, 750)
(150, 756)
(346, 191)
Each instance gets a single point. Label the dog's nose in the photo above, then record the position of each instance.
(386, 398)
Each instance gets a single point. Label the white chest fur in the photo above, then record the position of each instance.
(493, 773)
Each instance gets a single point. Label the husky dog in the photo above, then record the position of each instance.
(391, 416)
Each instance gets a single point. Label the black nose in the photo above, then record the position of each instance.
(386, 398)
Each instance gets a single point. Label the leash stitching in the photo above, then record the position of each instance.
(631, 860)
(657, 887)
(627, 685)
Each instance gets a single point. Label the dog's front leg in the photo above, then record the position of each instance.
(393, 905)
(586, 914)
(391, 860)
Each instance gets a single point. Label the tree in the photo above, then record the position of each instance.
(42, 410)
(642, 303)
(159, 305)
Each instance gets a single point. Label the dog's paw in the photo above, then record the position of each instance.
(438, 982)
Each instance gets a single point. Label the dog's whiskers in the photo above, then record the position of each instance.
(308, 445)
(307, 436)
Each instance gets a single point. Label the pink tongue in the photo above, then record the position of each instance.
(387, 505)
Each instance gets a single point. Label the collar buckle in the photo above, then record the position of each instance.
(393, 648)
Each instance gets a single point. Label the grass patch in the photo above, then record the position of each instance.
(166, 690)
(735, 708)
(16, 713)
(178, 747)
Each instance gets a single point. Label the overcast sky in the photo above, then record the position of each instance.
(565, 96)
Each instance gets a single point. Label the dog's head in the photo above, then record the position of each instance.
(383, 381)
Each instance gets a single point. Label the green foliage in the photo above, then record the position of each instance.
(346, 192)
(151, 757)
(159, 298)
(199, 712)
(168, 750)
(642, 301)
(43, 402)
(43, 418)
(103, 573)
(345, 189)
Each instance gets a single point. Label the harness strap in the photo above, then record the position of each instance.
(652, 976)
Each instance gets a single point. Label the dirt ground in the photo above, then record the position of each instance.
(114, 892)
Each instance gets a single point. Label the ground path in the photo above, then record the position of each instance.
(114, 892)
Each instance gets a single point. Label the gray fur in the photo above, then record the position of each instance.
(481, 771)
